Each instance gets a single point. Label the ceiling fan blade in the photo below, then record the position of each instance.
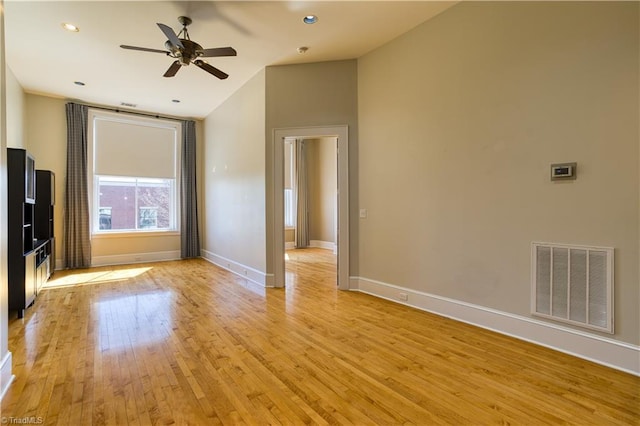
(171, 35)
(173, 69)
(219, 51)
(144, 49)
(211, 69)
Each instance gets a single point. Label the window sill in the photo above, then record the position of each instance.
(139, 234)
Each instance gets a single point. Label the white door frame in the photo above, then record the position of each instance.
(342, 133)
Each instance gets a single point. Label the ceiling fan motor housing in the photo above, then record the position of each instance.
(188, 54)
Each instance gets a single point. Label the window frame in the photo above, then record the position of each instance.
(93, 178)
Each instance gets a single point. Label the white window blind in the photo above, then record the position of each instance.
(120, 147)
(134, 172)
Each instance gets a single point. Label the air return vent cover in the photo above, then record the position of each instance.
(573, 284)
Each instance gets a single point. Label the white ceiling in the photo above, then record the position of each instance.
(46, 59)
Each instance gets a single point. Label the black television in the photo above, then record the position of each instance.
(29, 179)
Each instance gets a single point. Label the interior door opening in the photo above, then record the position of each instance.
(310, 204)
(340, 213)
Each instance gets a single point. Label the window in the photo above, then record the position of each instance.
(133, 173)
(289, 180)
(289, 219)
(136, 203)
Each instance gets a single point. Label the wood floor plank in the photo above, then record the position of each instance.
(187, 343)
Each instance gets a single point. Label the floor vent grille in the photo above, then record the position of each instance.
(573, 284)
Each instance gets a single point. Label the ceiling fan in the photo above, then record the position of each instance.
(186, 51)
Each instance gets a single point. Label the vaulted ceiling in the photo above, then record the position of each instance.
(47, 59)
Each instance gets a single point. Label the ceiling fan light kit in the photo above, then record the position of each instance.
(185, 51)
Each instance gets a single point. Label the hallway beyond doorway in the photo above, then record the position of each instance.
(315, 266)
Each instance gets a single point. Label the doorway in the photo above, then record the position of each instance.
(311, 193)
(342, 243)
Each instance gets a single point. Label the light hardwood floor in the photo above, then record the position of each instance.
(185, 342)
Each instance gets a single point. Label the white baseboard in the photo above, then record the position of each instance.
(253, 275)
(354, 284)
(270, 280)
(290, 245)
(322, 244)
(612, 353)
(6, 378)
(124, 259)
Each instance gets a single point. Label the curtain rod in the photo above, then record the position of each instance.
(124, 111)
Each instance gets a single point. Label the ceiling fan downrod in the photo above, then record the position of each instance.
(185, 21)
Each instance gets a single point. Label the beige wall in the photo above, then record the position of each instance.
(459, 122)
(323, 184)
(289, 235)
(4, 298)
(15, 112)
(309, 95)
(46, 140)
(234, 177)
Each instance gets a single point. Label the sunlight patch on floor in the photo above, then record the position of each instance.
(95, 277)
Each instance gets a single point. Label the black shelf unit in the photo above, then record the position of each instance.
(20, 233)
(44, 225)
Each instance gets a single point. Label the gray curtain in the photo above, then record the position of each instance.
(189, 238)
(302, 198)
(77, 238)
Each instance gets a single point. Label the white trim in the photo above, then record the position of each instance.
(354, 283)
(322, 244)
(277, 177)
(6, 378)
(251, 274)
(602, 350)
(328, 245)
(269, 280)
(105, 235)
(125, 259)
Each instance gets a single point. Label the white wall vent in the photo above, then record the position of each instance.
(573, 284)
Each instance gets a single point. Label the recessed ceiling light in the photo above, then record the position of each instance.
(310, 19)
(78, 83)
(70, 27)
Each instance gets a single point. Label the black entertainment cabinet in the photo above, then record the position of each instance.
(43, 226)
(30, 228)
